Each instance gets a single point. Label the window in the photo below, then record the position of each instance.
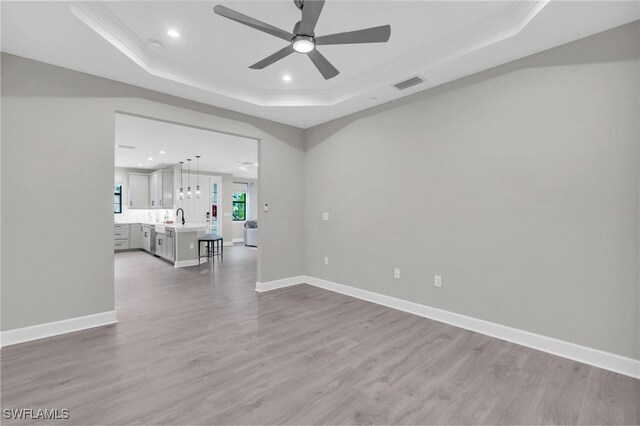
(117, 199)
(239, 206)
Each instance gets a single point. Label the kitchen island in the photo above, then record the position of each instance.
(183, 241)
(175, 243)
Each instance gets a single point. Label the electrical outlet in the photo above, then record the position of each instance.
(191, 246)
(325, 216)
(437, 280)
(396, 272)
(326, 260)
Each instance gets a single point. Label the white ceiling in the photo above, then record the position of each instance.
(218, 152)
(438, 40)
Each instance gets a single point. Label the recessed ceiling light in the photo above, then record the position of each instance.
(154, 44)
(286, 77)
(173, 33)
(163, 152)
(139, 164)
(150, 158)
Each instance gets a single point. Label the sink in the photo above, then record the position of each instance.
(190, 227)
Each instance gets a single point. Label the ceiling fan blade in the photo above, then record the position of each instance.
(324, 66)
(282, 53)
(379, 34)
(253, 23)
(310, 13)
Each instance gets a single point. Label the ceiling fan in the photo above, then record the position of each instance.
(303, 39)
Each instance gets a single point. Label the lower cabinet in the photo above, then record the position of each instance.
(121, 237)
(136, 236)
(146, 238)
(169, 246)
(128, 236)
(160, 240)
(120, 245)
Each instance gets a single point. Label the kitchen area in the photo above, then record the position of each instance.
(174, 243)
(174, 185)
(157, 232)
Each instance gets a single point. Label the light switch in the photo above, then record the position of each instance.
(437, 280)
(325, 216)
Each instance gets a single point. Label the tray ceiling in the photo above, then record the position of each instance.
(208, 62)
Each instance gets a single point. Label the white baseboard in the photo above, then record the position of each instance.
(191, 262)
(228, 244)
(285, 282)
(49, 329)
(238, 240)
(595, 357)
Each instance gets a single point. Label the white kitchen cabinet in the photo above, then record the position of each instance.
(121, 237)
(136, 240)
(161, 190)
(155, 183)
(138, 191)
(167, 190)
(146, 238)
(160, 244)
(169, 245)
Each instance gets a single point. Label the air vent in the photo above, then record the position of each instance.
(126, 146)
(408, 83)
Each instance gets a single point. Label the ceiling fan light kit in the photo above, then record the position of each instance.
(303, 44)
(303, 39)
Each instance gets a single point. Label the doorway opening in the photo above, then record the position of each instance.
(185, 200)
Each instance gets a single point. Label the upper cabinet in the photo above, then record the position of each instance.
(153, 191)
(167, 190)
(138, 191)
(161, 190)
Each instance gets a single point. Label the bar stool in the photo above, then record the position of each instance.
(215, 246)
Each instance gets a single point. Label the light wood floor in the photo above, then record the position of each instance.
(199, 346)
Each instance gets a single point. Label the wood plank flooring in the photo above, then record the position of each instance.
(199, 346)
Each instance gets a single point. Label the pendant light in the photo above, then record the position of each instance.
(197, 176)
(181, 192)
(189, 177)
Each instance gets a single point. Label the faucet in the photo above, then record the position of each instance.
(180, 210)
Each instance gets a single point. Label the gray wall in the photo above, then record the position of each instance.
(519, 186)
(58, 133)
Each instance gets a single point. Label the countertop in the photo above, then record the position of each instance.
(187, 227)
(178, 227)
